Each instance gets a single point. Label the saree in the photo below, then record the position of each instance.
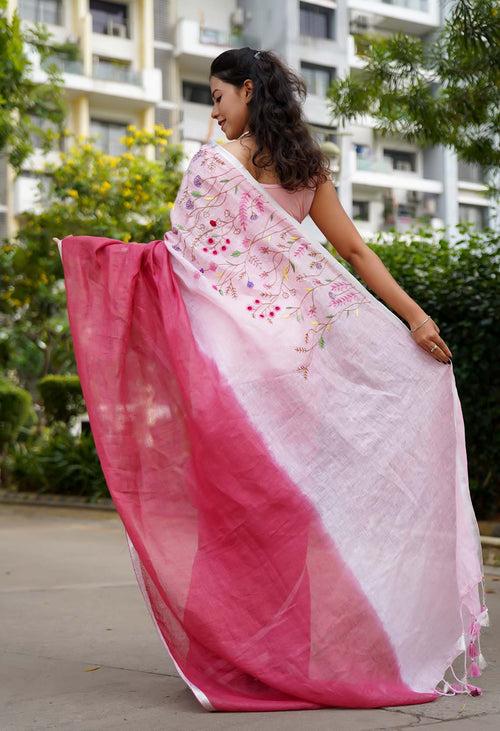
(289, 465)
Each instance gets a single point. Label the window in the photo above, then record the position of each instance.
(401, 160)
(478, 215)
(41, 11)
(318, 78)
(109, 18)
(108, 135)
(361, 210)
(316, 21)
(323, 134)
(198, 93)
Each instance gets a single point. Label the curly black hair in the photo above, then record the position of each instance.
(276, 116)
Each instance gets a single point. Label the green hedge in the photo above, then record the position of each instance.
(16, 408)
(458, 284)
(57, 462)
(61, 397)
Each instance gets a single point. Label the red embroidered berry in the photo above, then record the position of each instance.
(228, 241)
(213, 223)
(223, 248)
(271, 314)
(261, 315)
(257, 302)
(214, 251)
(205, 248)
(277, 307)
(249, 307)
(210, 241)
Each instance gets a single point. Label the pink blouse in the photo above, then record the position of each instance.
(297, 203)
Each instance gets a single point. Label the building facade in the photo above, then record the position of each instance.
(147, 61)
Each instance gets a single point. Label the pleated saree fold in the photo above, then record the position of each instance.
(289, 466)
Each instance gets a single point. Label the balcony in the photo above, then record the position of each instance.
(115, 71)
(370, 171)
(196, 44)
(108, 77)
(411, 16)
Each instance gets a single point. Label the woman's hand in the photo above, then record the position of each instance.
(427, 336)
(59, 245)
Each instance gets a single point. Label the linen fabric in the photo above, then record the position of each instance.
(289, 465)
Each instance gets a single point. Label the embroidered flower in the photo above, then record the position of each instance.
(213, 223)
(197, 181)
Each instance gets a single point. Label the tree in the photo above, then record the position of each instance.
(444, 89)
(22, 100)
(127, 197)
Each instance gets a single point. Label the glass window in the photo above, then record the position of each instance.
(318, 78)
(401, 160)
(316, 21)
(199, 93)
(41, 11)
(108, 135)
(478, 215)
(109, 18)
(360, 210)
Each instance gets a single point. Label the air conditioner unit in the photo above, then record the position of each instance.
(116, 29)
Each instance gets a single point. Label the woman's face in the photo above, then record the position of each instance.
(230, 106)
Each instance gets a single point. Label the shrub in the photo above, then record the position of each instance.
(15, 409)
(62, 397)
(57, 462)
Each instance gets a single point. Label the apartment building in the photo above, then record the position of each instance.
(147, 61)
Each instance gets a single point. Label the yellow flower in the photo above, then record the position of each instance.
(105, 186)
(73, 193)
(131, 127)
(126, 237)
(170, 205)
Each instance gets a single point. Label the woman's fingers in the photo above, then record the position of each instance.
(428, 337)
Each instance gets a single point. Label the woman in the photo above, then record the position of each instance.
(287, 456)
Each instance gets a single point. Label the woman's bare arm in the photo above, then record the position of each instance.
(332, 220)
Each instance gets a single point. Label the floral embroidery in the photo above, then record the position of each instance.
(292, 278)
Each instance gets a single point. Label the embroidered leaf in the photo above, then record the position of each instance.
(292, 265)
(236, 253)
(196, 193)
(321, 342)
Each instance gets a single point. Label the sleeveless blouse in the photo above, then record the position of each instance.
(297, 202)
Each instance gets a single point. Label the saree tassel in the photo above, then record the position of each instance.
(474, 670)
(473, 650)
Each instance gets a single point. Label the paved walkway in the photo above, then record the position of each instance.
(80, 651)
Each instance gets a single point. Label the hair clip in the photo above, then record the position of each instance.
(256, 55)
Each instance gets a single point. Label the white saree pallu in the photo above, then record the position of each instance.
(289, 465)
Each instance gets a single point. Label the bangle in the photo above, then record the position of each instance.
(422, 323)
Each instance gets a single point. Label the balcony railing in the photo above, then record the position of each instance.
(41, 11)
(422, 5)
(65, 65)
(102, 70)
(116, 72)
(374, 166)
(216, 37)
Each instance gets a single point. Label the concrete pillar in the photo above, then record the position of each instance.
(81, 115)
(146, 34)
